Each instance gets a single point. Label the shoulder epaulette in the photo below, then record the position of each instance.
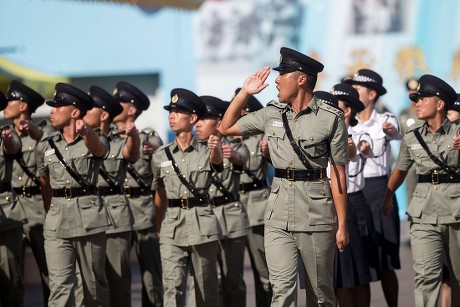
(413, 127)
(333, 110)
(276, 104)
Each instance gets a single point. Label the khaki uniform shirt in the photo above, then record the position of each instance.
(143, 207)
(232, 217)
(33, 205)
(432, 203)
(255, 201)
(115, 167)
(320, 131)
(185, 227)
(77, 216)
(12, 214)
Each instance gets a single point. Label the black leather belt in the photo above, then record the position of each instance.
(189, 202)
(301, 174)
(252, 186)
(104, 191)
(69, 192)
(436, 178)
(136, 192)
(25, 191)
(5, 187)
(222, 200)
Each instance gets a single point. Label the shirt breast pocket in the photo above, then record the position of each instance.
(275, 136)
(56, 169)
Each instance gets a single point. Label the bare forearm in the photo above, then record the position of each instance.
(339, 193)
(233, 112)
(94, 144)
(161, 203)
(131, 150)
(46, 192)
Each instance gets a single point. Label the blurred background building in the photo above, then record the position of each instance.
(210, 46)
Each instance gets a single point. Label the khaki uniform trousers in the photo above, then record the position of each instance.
(147, 246)
(231, 262)
(11, 282)
(429, 243)
(176, 260)
(62, 256)
(118, 268)
(316, 249)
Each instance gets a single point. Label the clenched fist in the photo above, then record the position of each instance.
(81, 127)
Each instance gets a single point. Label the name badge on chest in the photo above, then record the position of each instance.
(166, 163)
(277, 124)
(49, 152)
(415, 147)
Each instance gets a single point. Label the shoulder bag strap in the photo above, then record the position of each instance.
(435, 159)
(69, 169)
(137, 177)
(22, 164)
(189, 185)
(293, 143)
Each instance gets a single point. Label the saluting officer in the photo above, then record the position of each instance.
(434, 211)
(76, 220)
(304, 135)
(189, 233)
(110, 186)
(137, 189)
(12, 218)
(22, 103)
(232, 216)
(254, 193)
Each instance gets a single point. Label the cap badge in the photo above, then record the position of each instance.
(418, 87)
(174, 98)
(115, 91)
(281, 59)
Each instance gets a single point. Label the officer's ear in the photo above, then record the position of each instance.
(440, 105)
(105, 116)
(193, 118)
(302, 78)
(132, 110)
(75, 113)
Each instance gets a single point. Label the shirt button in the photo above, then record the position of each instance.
(126, 179)
(211, 190)
(323, 193)
(435, 188)
(7, 198)
(434, 142)
(448, 146)
(185, 192)
(66, 148)
(30, 148)
(167, 172)
(20, 178)
(199, 167)
(290, 184)
(49, 160)
(113, 156)
(67, 181)
(291, 162)
(417, 155)
(225, 164)
(252, 153)
(183, 160)
(311, 138)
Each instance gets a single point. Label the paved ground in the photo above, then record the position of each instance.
(405, 275)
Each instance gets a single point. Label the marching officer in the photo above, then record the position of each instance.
(232, 216)
(22, 103)
(434, 211)
(76, 220)
(254, 193)
(380, 129)
(306, 215)
(137, 189)
(110, 186)
(12, 218)
(189, 232)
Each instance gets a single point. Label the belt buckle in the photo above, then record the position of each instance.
(127, 190)
(242, 191)
(68, 193)
(184, 203)
(25, 191)
(290, 174)
(435, 177)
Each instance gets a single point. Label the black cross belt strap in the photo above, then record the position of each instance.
(189, 185)
(137, 177)
(22, 164)
(227, 194)
(106, 177)
(435, 159)
(69, 169)
(293, 143)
